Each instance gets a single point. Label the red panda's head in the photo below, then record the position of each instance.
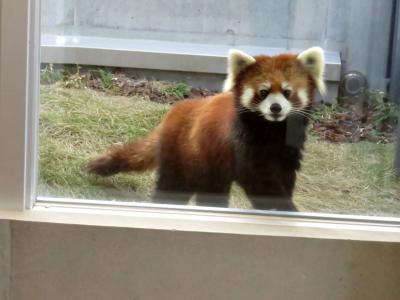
(275, 86)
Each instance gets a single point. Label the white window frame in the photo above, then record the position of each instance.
(19, 83)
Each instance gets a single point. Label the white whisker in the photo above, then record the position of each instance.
(242, 109)
(297, 112)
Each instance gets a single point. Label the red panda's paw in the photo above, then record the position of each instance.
(104, 165)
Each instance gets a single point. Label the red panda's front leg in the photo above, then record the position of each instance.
(171, 185)
(215, 191)
(270, 189)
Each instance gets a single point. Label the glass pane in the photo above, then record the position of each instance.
(136, 103)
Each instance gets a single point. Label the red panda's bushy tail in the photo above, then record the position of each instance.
(139, 155)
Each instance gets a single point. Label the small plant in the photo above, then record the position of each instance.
(326, 111)
(384, 112)
(106, 79)
(50, 75)
(74, 80)
(179, 91)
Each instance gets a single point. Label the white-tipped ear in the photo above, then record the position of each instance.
(313, 59)
(237, 62)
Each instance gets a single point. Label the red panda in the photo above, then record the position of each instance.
(252, 133)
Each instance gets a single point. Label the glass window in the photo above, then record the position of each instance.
(271, 105)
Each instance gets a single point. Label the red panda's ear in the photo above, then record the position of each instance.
(237, 62)
(313, 59)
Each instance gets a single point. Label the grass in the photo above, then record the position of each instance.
(352, 178)
(76, 124)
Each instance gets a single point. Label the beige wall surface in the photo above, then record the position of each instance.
(51, 261)
(5, 259)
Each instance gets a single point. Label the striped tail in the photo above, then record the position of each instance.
(139, 156)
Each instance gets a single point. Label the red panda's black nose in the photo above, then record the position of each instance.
(275, 108)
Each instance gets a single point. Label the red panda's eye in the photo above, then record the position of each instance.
(264, 94)
(287, 93)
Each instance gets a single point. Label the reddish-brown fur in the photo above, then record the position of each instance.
(276, 70)
(203, 145)
(189, 128)
(140, 155)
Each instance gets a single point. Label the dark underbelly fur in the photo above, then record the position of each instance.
(267, 156)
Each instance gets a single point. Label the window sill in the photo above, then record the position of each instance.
(193, 219)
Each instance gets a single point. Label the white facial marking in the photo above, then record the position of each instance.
(247, 96)
(265, 107)
(303, 97)
(265, 86)
(286, 86)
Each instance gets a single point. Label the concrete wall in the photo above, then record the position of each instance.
(5, 259)
(359, 29)
(55, 261)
